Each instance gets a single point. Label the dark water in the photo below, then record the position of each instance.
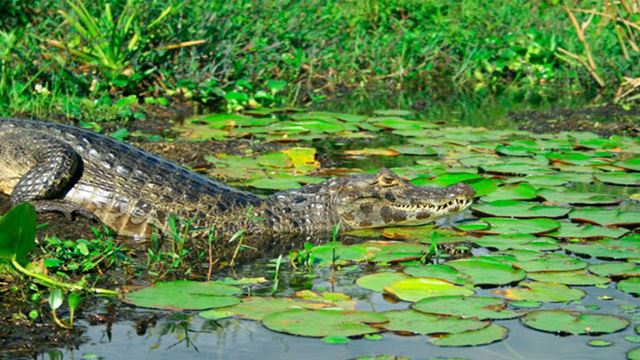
(191, 337)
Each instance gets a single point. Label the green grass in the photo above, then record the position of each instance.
(77, 59)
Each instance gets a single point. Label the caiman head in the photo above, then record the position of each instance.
(385, 199)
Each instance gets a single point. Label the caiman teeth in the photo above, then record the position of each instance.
(435, 207)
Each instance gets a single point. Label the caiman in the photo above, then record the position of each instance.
(65, 169)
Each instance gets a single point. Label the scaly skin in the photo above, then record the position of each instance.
(63, 168)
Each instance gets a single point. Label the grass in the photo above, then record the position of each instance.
(78, 59)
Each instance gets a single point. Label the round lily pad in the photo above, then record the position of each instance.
(487, 335)
(599, 343)
(634, 354)
(619, 178)
(487, 272)
(517, 241)
(552, 262)
(520, 226)
(184, 295)
(615, 269)
(520, 209)
(579, 277)
(606, 217)
(323, 322)
(568, 230)
(627, 247)
(630, 164)
(478, 307)
(410, 321)
(438, 271)
(542, 292)
(419, 288)
(377, 282)
(578, 198)
(573, 322)
(255, 308)
(513, 169)
(512, 192)
(631, 286)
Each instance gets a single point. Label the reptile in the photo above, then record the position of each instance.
(62, 168)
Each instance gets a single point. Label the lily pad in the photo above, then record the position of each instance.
(487, 335)
(438, 271)
(573, 322)
(631, 286)
(477, 307)
(542, 292)
(630, 164)
(516, 226)
(323, 322)
(579, 277)
(517, 241)
(606, 217)
(569, 230)
(513, 169)
(634, 354)
(578, 198)
(415, 289)
(512, 192)
(410, 321)
(377, 282)
(184, 295)
(552, 262)
(255, 308)
(615, 269)
(627, 247)
(487, 272)
(520, 209)
(619, 178)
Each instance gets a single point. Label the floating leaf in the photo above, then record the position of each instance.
(487, 335)
(631, 286)
(415, 289)
(556, 179)
(578, 198)
(578, 277)
(255, 308)
(377, 282)
(606, 217)
(630, 164)
(512, 192)
(542, 292)
(184, 295)
(517, 226)
(520, 209)
(627, 247)
(568, 230)
(371, 152)
(438, 271)
(478, 307)
(552, 262)
(513, 169)
(619, 178)
(615, 269)
(413, 150)
(323, 322)
(487, 272)
(410, 321)
(517, 241)
(573, 322)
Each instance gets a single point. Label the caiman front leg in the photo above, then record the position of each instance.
(45, 169)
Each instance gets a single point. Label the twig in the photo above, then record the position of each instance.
(596, 77)
(583, 40)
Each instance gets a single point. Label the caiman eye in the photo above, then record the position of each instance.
(387, 181)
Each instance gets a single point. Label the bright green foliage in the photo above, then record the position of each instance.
(410, 321)
(323, 322)
(476, 307)
(17, 233)
(487, 335)
(184, 295)
(415, 289)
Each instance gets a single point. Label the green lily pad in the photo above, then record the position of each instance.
(619, 178)
(324, 254)
(478, 307)
(542, 292)
(579, 277)
(599, 343)
(17, 233)
(410, 321)
(634, 354)
(487, 335)
(578, 198)
(414, 150)
(438, 271)
(631, 286)
(517, 241)
(630, 164)
(558, 179)
(513, 169)
(323, 322)
(576, 158)
(569, 230)
(512, 192)
(377, 282)
(516, 226)
(606, 217)
(184, 295)
(627, 247)
(615, 269)
(520, 209)
(415, 289)
(551, 262)
(573, 322)
(487, 272)
(255, 308)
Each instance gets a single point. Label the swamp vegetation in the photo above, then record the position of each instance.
(275, 95)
